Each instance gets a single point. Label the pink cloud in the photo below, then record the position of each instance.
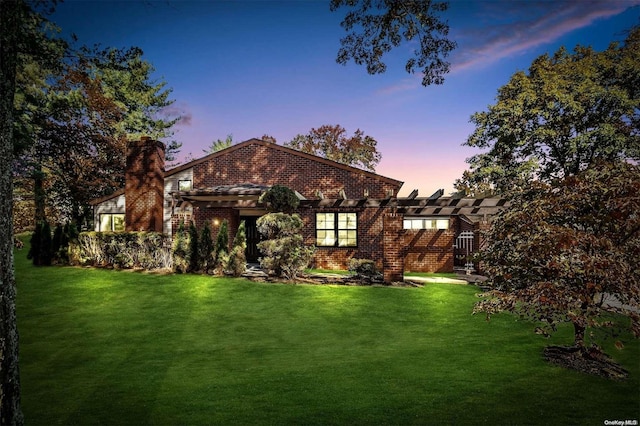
(522, 35)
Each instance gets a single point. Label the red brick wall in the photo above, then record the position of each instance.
(144, 185)
(268, 165)
(430, 250)
(369, 239)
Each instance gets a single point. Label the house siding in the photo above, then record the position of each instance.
(171, 184)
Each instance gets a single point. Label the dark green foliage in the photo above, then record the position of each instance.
(363, 267)
(205, 247)
(285, 253)
(121, 250)
(181, 250)
(62, 235)
(221, 257)
(280, 198)
(41, 245)
(375, 28)
(194, 254)
(238, 258)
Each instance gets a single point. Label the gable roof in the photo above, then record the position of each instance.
(255, 141)
(270, 145)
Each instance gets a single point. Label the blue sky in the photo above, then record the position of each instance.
(248, 68)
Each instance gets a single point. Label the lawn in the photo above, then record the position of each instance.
(110, 347)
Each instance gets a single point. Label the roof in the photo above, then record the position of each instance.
(270, 145)
(292, 151)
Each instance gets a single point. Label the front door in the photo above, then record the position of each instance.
(253, 238)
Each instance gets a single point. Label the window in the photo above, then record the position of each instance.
(426, 223)
(185, 185)
(337, 229)
(112, 222)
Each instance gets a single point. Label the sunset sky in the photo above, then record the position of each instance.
(248, 68)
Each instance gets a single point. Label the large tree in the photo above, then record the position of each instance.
(375, 27)
(77, 119)
(567, 112)
(13, 14)
(332, 142)
(570, 252)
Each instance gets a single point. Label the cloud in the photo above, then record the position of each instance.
(181, 110)
(526, 26)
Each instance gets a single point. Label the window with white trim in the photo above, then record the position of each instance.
(336, 229)
(426, 223)
(185, 185)
(111, 222)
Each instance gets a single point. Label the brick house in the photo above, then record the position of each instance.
(347, 212)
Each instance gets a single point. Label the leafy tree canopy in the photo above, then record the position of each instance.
(375, 27)
(570, 252)
(219, 145)
(567, 112)
(332, 142)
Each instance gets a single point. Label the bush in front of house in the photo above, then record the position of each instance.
(62, 237)
(180, 250)
(194, 254)
(221, 256)
(206, 249)
(285, 253)
(121, 250)
(237, 258)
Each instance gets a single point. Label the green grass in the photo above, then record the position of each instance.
(109, 347)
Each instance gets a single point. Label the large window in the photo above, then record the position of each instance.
(112, 222)
(336, 229)
(426, 223)
(185, 185)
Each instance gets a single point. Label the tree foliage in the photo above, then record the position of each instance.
(221, 256)
(567, 112)
(238, 258)
(75, 110)
(570, 252)
(280, 199)
(332, 142)
(375, 27)
(219, 145)
(285, 253)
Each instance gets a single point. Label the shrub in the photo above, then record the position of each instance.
(122, 250)
(363, 267)
(280, 198)
(181, 250)
(62, 236)
(284, 251)
(237, 258)
(194, 254)
(41, 245)
(221, 257)
(205, 248)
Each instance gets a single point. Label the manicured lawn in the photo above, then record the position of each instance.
(108, 347)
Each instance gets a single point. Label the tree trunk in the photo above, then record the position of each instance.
(10, 413)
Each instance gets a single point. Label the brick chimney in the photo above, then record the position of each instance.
(144, 185)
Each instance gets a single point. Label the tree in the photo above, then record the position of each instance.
(219, 145)
(13, 37)
(75, 117)
(238, 258)
(569, 111)
(285, 253)
(374, 27)
(221, 257)
(268, 138)
(180, 250)
(563, 252)
(331, 142)
(280, 198)
(194, 251)
(206, 248)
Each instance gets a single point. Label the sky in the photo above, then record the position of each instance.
(249, 68)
